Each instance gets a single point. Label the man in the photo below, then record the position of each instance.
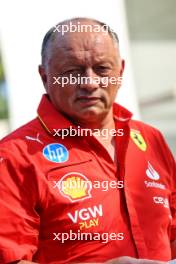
(52, 185)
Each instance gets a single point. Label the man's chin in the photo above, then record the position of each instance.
(91, 114)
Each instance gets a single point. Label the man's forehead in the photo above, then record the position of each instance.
(79, 41)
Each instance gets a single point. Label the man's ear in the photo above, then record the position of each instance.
(122, 67)
(120, 73)
(43, 75)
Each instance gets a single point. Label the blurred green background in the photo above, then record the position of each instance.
(3, 93)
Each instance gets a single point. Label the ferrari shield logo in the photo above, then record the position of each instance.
(138, 139)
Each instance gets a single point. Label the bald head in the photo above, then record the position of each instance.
(78, 25)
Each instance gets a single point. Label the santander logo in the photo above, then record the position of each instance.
(152, 173)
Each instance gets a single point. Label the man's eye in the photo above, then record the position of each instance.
(102, 69)
(72, 71)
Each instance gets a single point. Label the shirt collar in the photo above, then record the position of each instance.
(121, 114)
(52, 119)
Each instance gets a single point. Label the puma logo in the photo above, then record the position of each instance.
(35, 138)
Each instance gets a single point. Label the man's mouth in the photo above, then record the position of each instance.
(88, 100)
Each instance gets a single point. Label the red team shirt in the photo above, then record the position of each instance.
(37, 205)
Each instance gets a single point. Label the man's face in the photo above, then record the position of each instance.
(93, 56)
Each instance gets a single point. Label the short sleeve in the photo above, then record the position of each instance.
(19, 220)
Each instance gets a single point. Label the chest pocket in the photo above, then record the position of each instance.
(72, 201)
(71, 181)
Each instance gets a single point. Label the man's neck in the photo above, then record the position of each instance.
(99, 123)
(107, 141)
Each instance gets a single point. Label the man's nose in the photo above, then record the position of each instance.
(89, 81)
